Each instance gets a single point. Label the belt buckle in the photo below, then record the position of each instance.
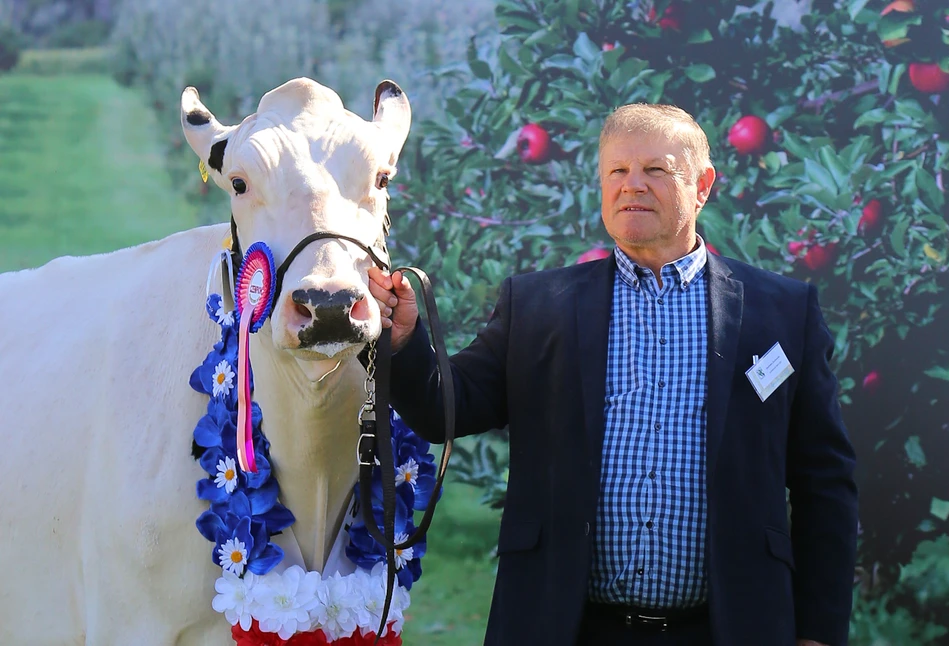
(660, 622)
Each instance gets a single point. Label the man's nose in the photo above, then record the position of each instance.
(635, 183)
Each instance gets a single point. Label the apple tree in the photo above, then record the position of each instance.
(828, 122)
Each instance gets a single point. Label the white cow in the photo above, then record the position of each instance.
(98, 543)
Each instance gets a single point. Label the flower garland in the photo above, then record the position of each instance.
(264, 605)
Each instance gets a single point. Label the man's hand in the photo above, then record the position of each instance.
(809, 642)
(397, 305)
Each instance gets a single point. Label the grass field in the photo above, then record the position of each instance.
(82, 171)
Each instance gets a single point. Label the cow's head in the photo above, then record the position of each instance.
(302, 164)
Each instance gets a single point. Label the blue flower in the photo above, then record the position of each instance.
(365, 551)
(414, 464)
(239, 541)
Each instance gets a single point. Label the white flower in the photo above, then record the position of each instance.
(340, 605)
(226, 474)
(374, 594)
(282, 603)
(224, 317)
(222, 379)
(407, 472)
(403, 556)
(234, 598)
(233, 556)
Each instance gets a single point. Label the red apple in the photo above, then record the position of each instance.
(533, 144)
(871, 219)
(928, 78)
(901, 6)
(597, 253)
(795, 247)
(749, 135)
(671, 17)
(820, 256)
(871, 383)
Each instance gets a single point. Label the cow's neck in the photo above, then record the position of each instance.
(312, 430)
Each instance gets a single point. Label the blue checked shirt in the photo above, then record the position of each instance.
(650, 538)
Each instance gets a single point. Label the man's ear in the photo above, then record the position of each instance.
(703, 187)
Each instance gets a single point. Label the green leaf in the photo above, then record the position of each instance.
(915, 452)
(820, 175)
(898, 237)
(584, 48)
(703, 36)
(929, 191)
(938, 373)
(700, 72)
(832, 163)
(939, 508)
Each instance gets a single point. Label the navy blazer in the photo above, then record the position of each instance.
(539, 366)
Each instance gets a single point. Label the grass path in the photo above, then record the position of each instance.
(81, 170)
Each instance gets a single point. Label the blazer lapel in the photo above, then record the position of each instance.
(725, 299)
(594, 300)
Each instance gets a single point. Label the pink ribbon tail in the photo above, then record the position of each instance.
(245, 440)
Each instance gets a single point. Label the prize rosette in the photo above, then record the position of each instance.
(253, 298)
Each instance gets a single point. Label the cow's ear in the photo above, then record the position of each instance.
(391, 111)
(206, 136)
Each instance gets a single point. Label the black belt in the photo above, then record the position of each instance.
(659, 618)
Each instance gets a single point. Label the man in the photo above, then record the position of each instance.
(646, 499)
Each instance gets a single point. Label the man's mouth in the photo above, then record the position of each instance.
(636, 208)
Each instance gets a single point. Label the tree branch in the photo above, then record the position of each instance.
(862, 88)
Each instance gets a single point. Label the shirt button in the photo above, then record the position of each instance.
(658, 426)
(660, 301)
(662, 384)
(685, 284)
(640, 571)
(652, 475)
(662, 341)
(648, 524)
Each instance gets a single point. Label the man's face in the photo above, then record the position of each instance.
(650, 195)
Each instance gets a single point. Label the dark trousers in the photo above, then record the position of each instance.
(605, 629)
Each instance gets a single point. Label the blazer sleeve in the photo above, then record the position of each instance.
(478, 373)
(823, 493)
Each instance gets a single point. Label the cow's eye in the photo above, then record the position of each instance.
(240, 186)
(382, 180)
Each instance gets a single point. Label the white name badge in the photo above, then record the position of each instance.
(769, 372)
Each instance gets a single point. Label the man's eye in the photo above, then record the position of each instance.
(653, 169)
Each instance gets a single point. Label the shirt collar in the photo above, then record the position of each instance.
(683, 271)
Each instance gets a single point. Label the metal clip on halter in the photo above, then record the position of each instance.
(366, 455)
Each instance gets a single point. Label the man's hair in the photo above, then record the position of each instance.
(668, 120)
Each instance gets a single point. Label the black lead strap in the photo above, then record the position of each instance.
(376, 428)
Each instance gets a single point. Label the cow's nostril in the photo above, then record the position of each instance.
(359, 310)
(303, 311)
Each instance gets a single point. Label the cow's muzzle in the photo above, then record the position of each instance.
(322, 317)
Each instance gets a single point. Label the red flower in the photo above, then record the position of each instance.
(314, 638)
(391, 638)
(256, 637)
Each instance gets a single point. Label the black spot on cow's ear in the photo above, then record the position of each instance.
(216, 158)
(199, 117)
(386, 88)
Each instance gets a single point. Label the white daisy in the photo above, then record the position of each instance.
(407, 472)
(234, 598)
(226, 474)
(224, 317)
(403, 556)
(233, 556)
(282, 602)
(222, 379)
(340, 605)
